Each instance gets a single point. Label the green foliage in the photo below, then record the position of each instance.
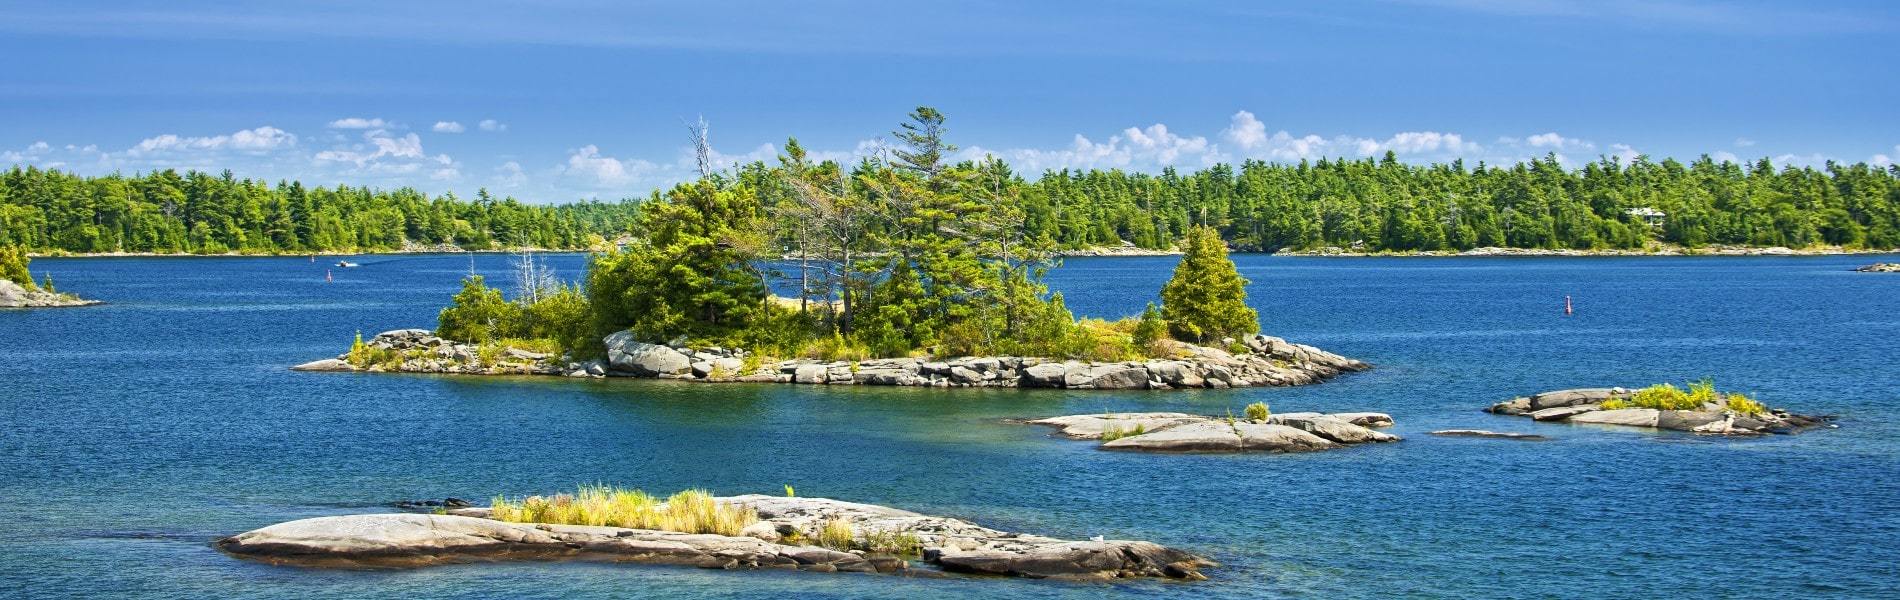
(478, 314)
(694, 276)
(196, 212)
(1743, 405)
(563, 317)
(1206, 299)
(1257, 411)
(1150, 330)
(365, 356)
(1665, 396)
(13, 262)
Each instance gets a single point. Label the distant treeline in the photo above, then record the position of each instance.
(1370, 204)
(1388, 205)
(169, 212)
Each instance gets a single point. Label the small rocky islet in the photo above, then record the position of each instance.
(1880, 268)
(1265, 361)
(1617, 406)
(1183, 432)
(14, 295)
(777, 540)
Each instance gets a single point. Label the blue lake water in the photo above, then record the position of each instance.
(133, 434)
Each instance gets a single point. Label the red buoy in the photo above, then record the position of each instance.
(1567, 309)
(326, 276)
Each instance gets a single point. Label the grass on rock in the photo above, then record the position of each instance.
(690, 511)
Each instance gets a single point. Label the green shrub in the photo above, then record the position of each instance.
(1149, 331)
(478, 314)
(1257, 411)
(1743, 405)
(13, 262)
(1661, 396)
(1206, 299)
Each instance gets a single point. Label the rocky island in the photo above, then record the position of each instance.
(1266, 361)
(1880, 268)
(1700, 409)
(763, 532)
(1257, 431)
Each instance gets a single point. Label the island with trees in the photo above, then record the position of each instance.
(908, 270)
(18, 290)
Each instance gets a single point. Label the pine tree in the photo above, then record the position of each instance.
(1207, 299)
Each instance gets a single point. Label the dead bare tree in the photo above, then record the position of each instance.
(702, 149)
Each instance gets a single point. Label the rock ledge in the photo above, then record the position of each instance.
(1182, 432)
(466, 535)
(1585, 406)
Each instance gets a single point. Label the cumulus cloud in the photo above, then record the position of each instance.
(360, 123)
(381, 153)
(1742, 142)
(448, 127)
(492, 125)
(588, 164)
(510, 175)
(261, 139)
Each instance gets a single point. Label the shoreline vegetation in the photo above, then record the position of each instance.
(694, 528)
(1365, 205)
(910, 271)
(19, 290)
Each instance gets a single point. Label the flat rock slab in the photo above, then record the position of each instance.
(466, 535)
(1482, 433)
(1182, 432)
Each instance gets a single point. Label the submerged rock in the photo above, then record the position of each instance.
(1586, 406)
(953, 545)
(1182, 432)
(1481, 433)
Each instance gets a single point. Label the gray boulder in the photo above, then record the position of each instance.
(1573, 397)
(1333, 429)
(325, 365)
(1045, 375)
(640, 358)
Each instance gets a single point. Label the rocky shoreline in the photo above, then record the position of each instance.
(1269, 361)
(1586, 406)
(775, 542)
(1182, 432)
(13, 295)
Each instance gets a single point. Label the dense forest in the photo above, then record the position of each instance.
(1369, 204)
(166, 212)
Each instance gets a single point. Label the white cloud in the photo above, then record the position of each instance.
(382, 153)
(510, 175)
(360, 123)
(261, 139)
(1742, 142)
(448, 127)
(588, 164)
(492, 125)
(1722, 156)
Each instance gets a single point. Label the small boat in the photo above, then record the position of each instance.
(345, 264)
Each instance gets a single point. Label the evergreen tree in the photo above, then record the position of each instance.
(1206, 299)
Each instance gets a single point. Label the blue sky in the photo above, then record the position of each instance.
(567, 99)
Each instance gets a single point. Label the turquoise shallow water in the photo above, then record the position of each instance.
(133, 434)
